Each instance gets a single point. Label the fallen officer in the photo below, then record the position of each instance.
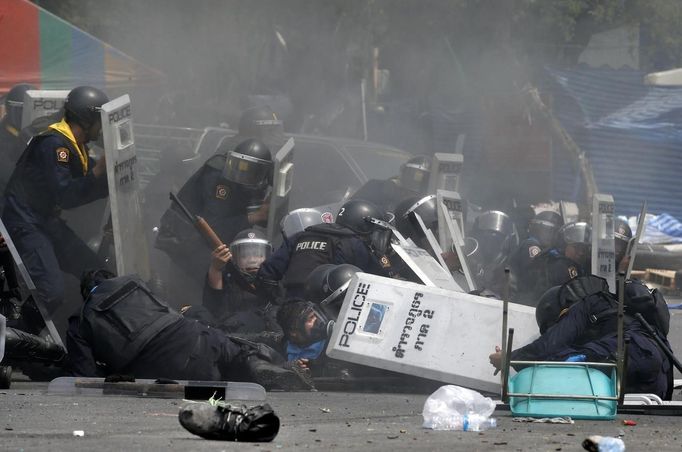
(578, 322)
(124, 329)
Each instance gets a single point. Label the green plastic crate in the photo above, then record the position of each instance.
(569, 381)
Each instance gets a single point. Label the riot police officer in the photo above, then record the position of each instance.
(223, 192)
(11, 143)
(123, 328)
(352, 239)
(578, 321)
(55, 172)
(386, 194)
(542, 230)
(229, 299)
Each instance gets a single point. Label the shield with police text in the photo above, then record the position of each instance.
(283, 174)
(446, 171)
(425, 331)
(454, 241)
(631, 251)
(50, 332)
(39, 103)
(130, 242)
(603, 245)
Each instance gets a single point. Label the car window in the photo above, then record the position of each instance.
(377, 162)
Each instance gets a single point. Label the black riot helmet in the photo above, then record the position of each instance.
(255, 120)
(303, 322)
(297, 220)
(356, 213)
(326, 286)
(83, 106)
(249, 164)
(250, 248)
(14, 104)
(579, 233)
(414, 174)
(406, 220)
(544, 227)
(622, 235)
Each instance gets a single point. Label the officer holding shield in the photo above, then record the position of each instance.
(55, 172)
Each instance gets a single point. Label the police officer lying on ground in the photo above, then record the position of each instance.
(53, 173)
(229, 301)
(412, 181)
(124, 329)
(578, 322)
(542, 231)
(223, 192)
(353, 239)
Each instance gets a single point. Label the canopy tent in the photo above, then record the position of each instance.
(38, 47)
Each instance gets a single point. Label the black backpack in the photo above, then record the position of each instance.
(649, 303)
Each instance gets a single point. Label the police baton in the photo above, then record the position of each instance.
(654, 334)
(199, 223)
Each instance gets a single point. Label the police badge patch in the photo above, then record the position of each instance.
(572, 272)
(221, 192)
(63, 155)
(385, 263)
(534, 251)
(327, 217)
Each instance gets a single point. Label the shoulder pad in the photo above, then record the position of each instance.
(216, 162)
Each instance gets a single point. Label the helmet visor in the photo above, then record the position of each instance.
(249, 254)
(414, 178)
(246, 170)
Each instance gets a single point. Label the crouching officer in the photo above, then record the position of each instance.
(223, 192)
(578, 322)
(353, 239)
(124, 329)
(53, 173)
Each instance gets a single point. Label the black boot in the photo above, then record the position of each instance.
(23, 346)
(230, 422)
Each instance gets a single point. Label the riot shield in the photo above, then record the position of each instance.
(39, 103)
(445, 172)
(426, 267)
(130, 241)
(425, 331)
(281, 186)
(603, 245)
(456, 242)
(50, 333)
(632, 246)
(569, 211)
(455, 209)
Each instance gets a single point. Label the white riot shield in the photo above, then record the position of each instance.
(50, 332)
(634, 242)
(426, 267)
(569, 211)
(130, 241)
(457, 241)
(455, 209)
(39, 103)
(425, 331)
(603, 246)
(445, 172)
(281, 186)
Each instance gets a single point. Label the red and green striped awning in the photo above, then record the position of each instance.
(38, 47)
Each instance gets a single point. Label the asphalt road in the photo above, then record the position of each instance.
(32, 420)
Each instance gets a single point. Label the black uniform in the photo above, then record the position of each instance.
(128, 329)
(52, 174)
(223, 204)
(11, 146)
(525, 271)
(326, 243)
(589, 328)
(553, 269)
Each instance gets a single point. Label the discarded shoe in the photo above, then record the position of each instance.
(227, 422)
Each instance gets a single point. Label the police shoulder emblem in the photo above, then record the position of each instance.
(572, 272)
(63, 155)
(534, 251)
(221, 192)
(385, 263)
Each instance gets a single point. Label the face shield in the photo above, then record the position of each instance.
(13, 111)
(298, 220)
(311, 326)
(380, 236)
(246, 170)
(249, 254)
(414, 177)
(544, 231)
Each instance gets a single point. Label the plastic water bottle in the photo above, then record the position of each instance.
(604, 444)
(475, 423)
